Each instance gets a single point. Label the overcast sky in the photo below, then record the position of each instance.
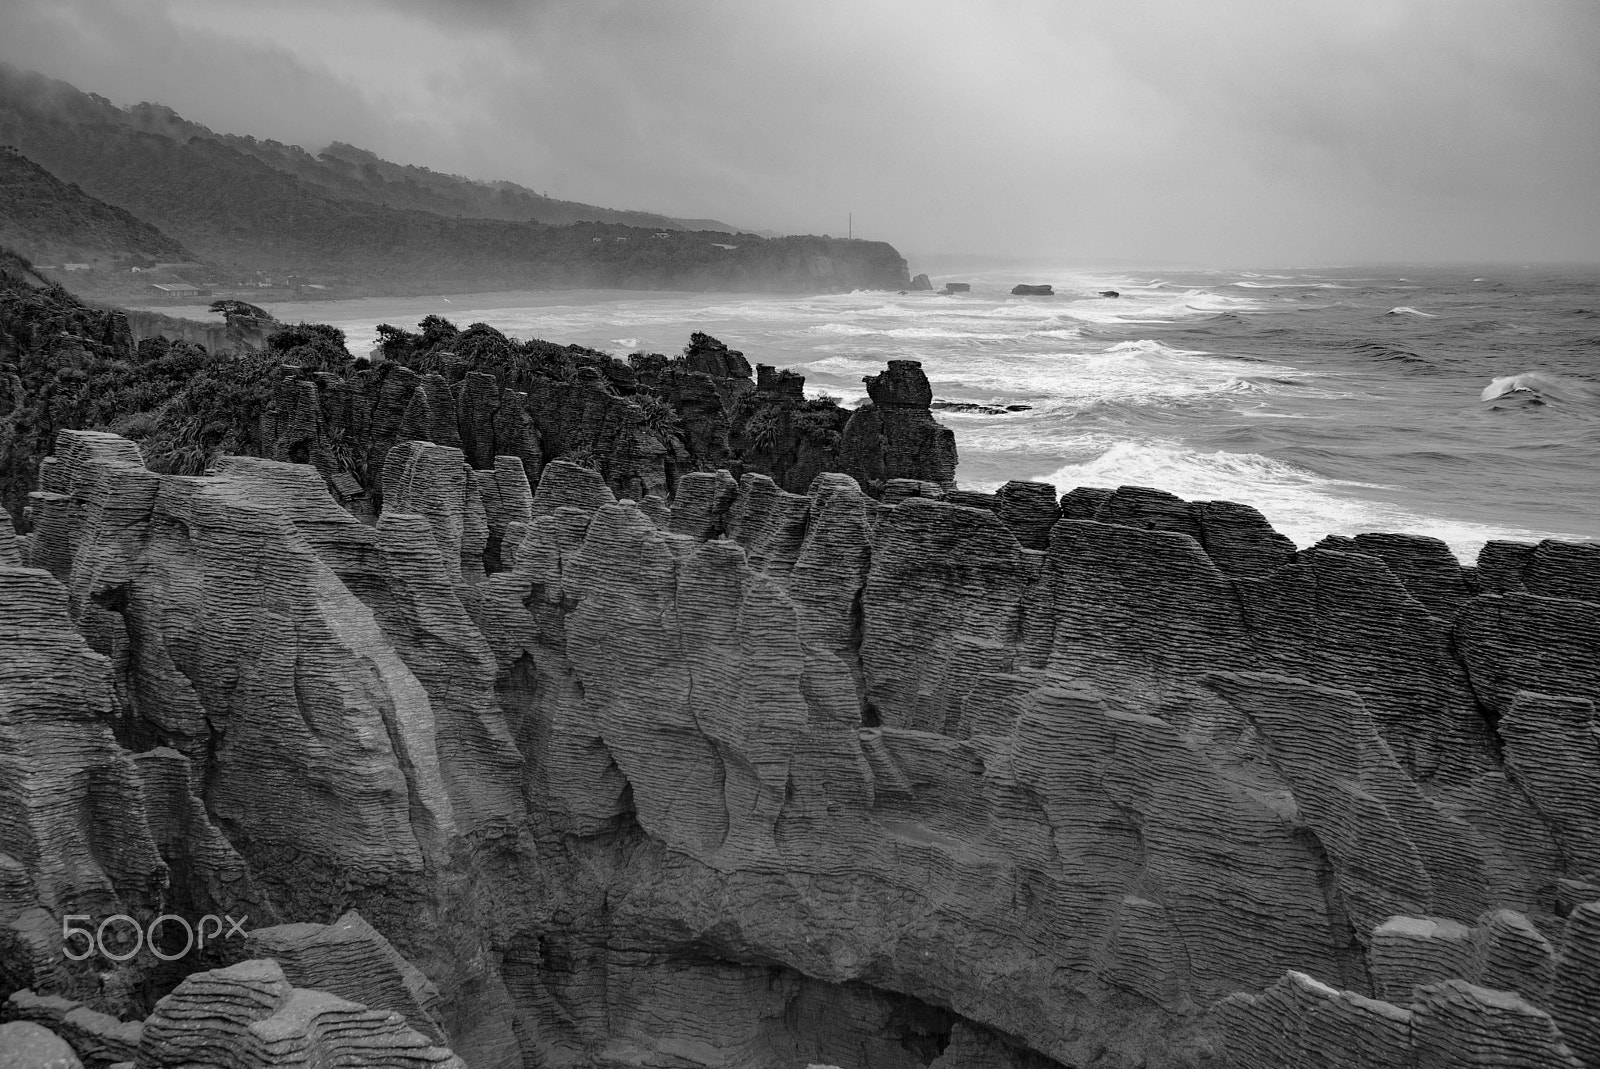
(1243, 132)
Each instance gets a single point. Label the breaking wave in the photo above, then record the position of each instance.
(1539, 387)
(1301, 504)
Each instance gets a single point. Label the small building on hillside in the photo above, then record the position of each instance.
(176, 289)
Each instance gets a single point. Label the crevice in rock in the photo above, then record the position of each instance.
(1346, 942)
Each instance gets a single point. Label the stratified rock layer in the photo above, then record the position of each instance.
(248, 1016)
(776, 777)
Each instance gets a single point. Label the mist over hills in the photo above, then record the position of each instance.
(355, 223)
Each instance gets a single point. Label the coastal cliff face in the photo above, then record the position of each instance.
(751, 776)
(235, 334)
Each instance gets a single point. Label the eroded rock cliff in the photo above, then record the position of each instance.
(751, 776)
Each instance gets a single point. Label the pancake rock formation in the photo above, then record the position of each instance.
(550, 774)
(643, 423)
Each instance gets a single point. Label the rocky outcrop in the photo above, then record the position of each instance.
(1452, 995)
(74, 838)
(249, 1015)
(1023, 289)
(894, 434)
(920, 283)
(26, 1045)
(1237, 538)
(99, 1039)
(957, 287)
(777, 431)
(644, 424)
(755, 776)
(349, 958)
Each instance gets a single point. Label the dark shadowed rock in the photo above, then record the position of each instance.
(894, 435)
(973, 406)
(1024, 290)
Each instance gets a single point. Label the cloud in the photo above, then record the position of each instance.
(1230, 131)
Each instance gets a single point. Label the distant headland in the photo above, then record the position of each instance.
(139, 205)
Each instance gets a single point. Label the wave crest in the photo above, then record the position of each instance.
(1540, 388)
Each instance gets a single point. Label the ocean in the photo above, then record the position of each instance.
(1459, 403)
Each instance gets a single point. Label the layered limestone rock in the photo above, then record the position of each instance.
(1236, 537)
(349, 958)
(644, 424)
(99, 1039)
(73, 832)
(764, 776)
(249, 1015)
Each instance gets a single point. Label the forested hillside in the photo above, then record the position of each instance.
(228, 201)
(340, 170)
(49, 221)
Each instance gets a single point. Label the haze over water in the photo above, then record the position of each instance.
(1336, 401)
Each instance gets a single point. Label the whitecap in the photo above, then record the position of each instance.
(849, 330)
(1407, 310)
(1149, 345)
(1540, 386)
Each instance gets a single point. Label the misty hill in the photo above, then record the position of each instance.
(46, 219)
(341, 170)
(347, 171)
(234, 207)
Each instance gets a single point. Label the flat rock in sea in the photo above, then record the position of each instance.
(1023, 289)
(974, 406)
